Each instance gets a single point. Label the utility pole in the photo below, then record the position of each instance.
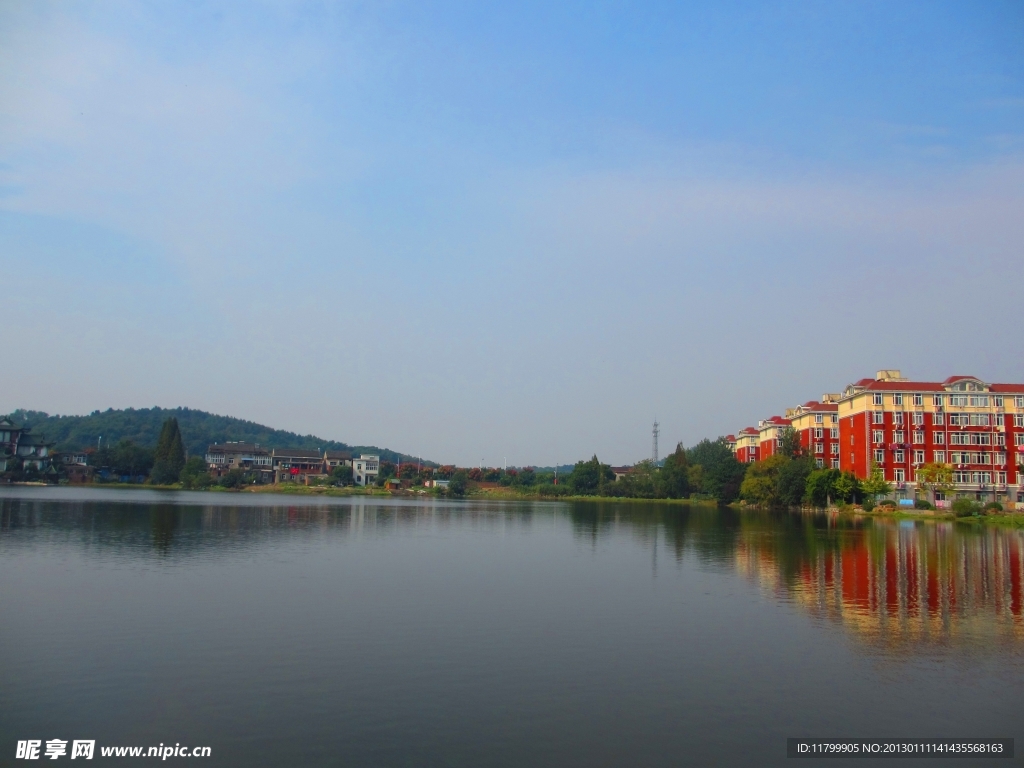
(654, 447)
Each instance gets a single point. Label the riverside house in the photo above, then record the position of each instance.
(221, 458)
(297, 465)
(20, 449)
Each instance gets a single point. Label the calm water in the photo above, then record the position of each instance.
(282, 631)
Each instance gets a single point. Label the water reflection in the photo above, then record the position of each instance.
(893, 583)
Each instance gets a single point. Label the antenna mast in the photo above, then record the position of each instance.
(654, 442)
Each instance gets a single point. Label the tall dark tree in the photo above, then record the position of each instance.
(587, 476)
(169, 456)
(675, 474)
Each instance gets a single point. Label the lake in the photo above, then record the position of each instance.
(297, 631)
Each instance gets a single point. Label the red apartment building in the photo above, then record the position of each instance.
(897, 425)
(770, 436)
(746, 445)
(817, 423)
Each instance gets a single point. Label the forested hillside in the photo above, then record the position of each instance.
(198, 430)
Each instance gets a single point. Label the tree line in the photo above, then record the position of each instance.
(790, 478)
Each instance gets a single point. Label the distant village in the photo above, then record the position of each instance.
(24, 454)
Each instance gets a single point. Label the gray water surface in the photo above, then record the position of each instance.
(288, 631)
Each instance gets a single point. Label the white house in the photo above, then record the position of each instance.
(365, 469)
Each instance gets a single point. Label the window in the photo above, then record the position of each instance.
(778, 442)
(1018, 419)
(876, 399)
(897, 399)
(937, 400)
(919, 457)
(1018, 439)
(898, 436)
(1001, 478)
(818, 433)
(970, 438)
(834, 433)
(939, 438)
(938, 418)
(878, 436)
(819, 463)
(877, 417)
(899, 456)
(899, 475)
(918, 399)
(940, 457)
(917, 418)
(819, 447)
(835, 463)
(879, 457)
(957, 400)
(997, 401)
(918, 437)
(1000, 459)
(818, 418)
(968, 420)
(1001, 438)
(897, 418)
(978, 401)
(834, 449)
(835, 418)
(1018, 401)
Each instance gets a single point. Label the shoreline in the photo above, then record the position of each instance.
(1006, 518)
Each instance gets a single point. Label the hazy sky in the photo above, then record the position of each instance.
(505, 231)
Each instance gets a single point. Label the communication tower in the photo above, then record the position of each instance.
(654, 441)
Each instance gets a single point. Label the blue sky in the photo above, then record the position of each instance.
(506, 231)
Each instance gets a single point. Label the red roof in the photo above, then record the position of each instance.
(749, 431)
(952, 379)
(814, 405)
(1007, 388)
(778, 420)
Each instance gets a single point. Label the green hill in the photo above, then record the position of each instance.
(198, 429)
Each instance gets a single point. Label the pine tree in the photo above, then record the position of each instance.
(163, 443)
(169, 457)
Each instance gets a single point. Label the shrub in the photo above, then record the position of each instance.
(868, 505)
(922, 504)
(966, 507)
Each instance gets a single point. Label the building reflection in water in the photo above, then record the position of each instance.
(898, 582)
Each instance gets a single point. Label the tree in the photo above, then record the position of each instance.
(587, 476)
(641, 482)
(722, 472)
(789, 443)
(792, 481)
(820, 487)
(194, 475)
(761, 484)
(126, 459)
(675, 474)
(169, 456)
(342, 475)
(876, 484)
(846, 487)
(457, 484)
(932, 477)
(527, 477)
